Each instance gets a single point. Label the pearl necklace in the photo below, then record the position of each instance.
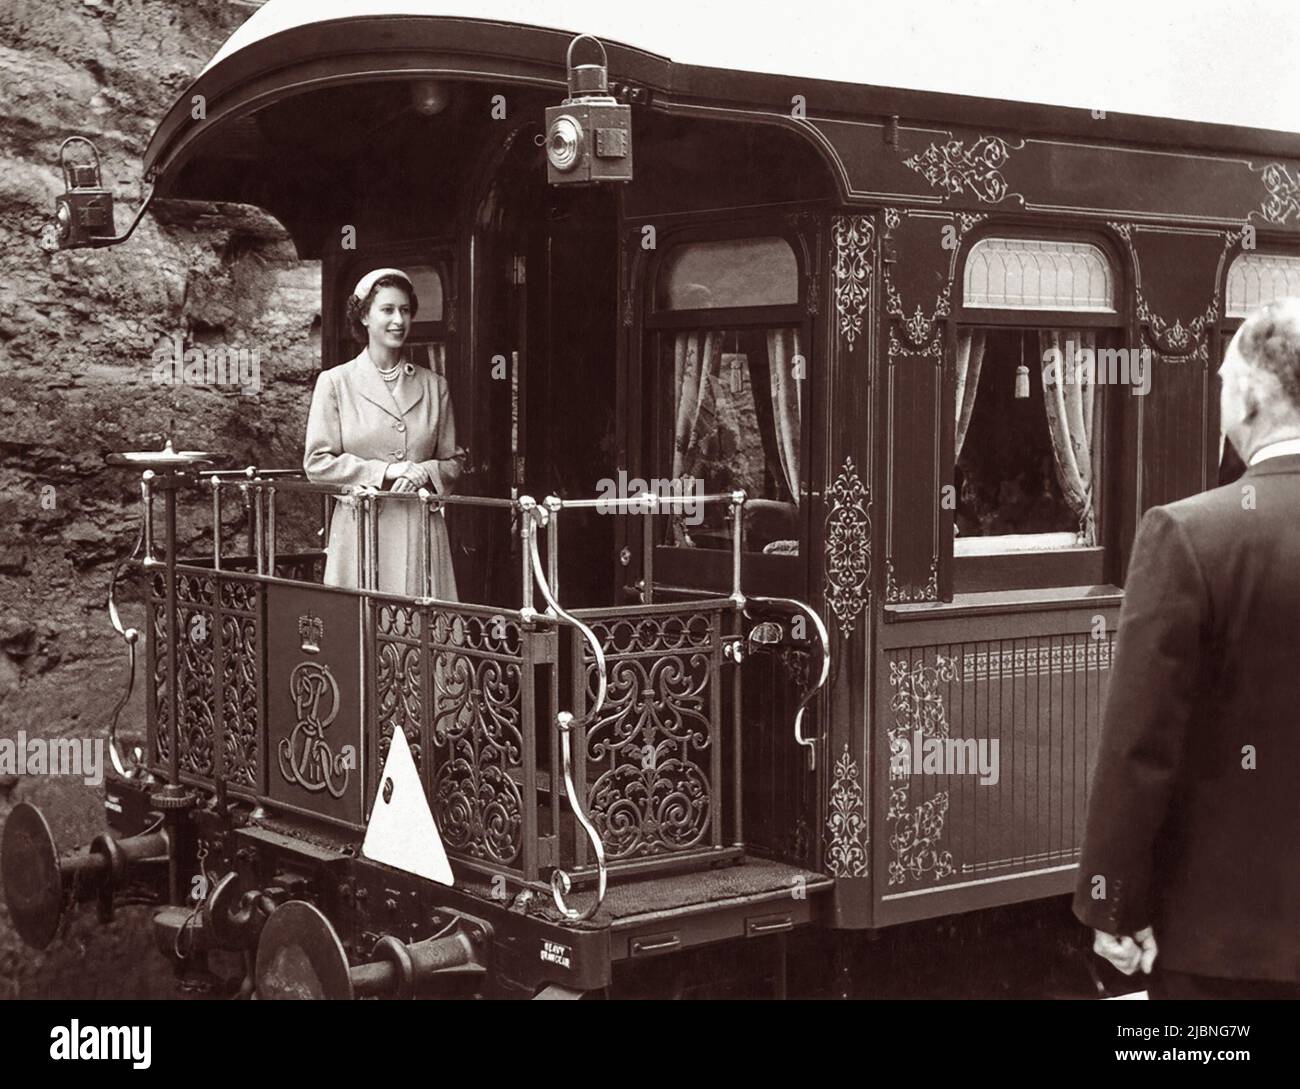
(391, 374)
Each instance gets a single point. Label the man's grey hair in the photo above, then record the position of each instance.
(1270, 342)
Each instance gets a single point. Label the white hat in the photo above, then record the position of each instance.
(368, 280)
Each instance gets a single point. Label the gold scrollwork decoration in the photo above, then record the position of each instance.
(901, 595)
(1283, 200)
(853, 237)
(956, 168)
(848, 547)
(916, 831)
(846, 821)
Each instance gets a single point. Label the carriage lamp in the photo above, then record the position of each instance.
(429, 96)
(589, 135)
(83, 214)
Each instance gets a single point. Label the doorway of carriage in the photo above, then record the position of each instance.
(724, 382)
(543, 270)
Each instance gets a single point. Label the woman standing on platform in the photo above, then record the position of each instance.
(376, 421)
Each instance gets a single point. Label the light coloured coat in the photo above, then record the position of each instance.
(355, 430)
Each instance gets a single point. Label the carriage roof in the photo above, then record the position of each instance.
(290, 46)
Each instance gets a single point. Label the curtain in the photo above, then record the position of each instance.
(787, 395)
(694, 368)
(1069, 390)
(431, 354)
(970, 361)
(691, 377)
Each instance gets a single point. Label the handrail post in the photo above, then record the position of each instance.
(737, 544)
(426, 567)
(553, 505)
(355, 502)
(250, 509)
(216, 523)
(173, 634)
(372, 533)
(270, 511)
(648, 549)
(146, 502)
(526, 505)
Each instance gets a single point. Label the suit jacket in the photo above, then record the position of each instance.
(1194, 812)
(355, 429)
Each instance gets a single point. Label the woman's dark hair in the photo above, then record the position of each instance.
(358, 308)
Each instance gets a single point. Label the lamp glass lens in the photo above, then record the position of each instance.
(563, 143)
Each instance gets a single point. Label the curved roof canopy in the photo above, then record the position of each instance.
(1120, 56)
(854, 57)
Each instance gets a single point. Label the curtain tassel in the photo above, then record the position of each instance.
(1022, 382)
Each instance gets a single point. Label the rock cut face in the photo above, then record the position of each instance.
(82, 334)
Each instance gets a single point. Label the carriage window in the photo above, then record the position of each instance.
(1027, 439)
(736, 397)
(1028, 413)
(428, 289)
(729, 273)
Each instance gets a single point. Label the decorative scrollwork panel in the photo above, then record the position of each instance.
(196, 678)
(650, 754)
(477, 740)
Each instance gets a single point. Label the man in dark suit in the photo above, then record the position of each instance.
(1191, 862)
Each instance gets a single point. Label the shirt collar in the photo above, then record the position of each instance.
(1276, 450)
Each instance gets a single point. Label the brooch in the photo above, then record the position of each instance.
(409, 370)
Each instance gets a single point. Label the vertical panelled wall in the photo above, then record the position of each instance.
(842, 428)
(1171, 434)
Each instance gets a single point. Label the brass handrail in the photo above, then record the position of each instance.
(810, 743)
(132, 766)
(564, 720)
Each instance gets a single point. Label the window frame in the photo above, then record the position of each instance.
(1021, 570)
(658, 322)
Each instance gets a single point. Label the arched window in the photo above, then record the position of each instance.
(1038, 274)
(1255, 279)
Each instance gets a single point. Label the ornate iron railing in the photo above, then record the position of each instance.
(642, 772)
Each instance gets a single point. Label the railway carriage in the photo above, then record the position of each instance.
(789, 571)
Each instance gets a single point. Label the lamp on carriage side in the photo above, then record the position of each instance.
(588, 136)
(429, 96)
(83, 216)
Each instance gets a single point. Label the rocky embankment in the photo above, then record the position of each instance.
(77, 335)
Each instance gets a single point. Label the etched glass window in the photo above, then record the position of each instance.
(1038, 274)
(1255, 279)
